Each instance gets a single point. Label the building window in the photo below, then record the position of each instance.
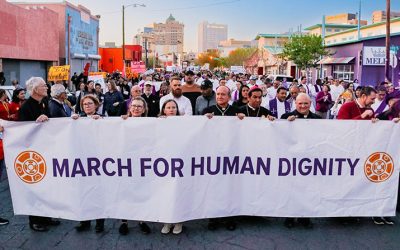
(337, 30)
(328, 30)
(344, 39)
(343, 72)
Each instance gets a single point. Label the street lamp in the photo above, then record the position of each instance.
(123, 26)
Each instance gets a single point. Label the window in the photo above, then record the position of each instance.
(328, 30)
(337, 30)
(343, 72)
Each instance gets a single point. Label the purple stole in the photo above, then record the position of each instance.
(380, 108)
(273, 107)
(317, 88)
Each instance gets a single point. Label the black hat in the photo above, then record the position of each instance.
(206, 84)
(189, 72)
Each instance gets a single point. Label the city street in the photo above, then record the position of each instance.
(251, 233)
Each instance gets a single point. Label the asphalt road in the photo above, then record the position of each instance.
(251, 233)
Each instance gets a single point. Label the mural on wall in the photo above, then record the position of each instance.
(83, 32)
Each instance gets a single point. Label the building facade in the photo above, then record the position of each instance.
(363, 60)
(380, 16)
(28, 42)
(111, 58)
(78, 34)
(210, 35)
(168, 37)
(227, 46)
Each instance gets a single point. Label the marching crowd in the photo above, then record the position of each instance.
(204, 93)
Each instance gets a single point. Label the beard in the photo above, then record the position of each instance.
(177, 93)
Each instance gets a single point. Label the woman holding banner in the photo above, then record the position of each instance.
(137, 108)
(89, 104)
(170, 108)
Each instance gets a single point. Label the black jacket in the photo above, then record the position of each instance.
(56, 109)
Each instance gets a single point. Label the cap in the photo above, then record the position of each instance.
(206, 84)
(394, 95)
(148, 83)
(254, 88)
(189, 72)
(254, 78)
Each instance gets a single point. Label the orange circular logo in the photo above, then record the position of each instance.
(30, 167)
(379, 167)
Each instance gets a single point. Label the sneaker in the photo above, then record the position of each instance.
(166, 228)
(123, 229)
(177, 228)
(3, 221)
(378, 220)
(388, 220)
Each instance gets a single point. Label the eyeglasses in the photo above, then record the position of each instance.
(88, 103)
(136, 106)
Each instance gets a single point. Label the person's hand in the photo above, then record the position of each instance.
(291, 118)
(374, 120)
(1, 128)
(367, 113)
(12, 116)
(209, 115)
(124, 117)
(95, 117)
(270, 117)
(42, 118)
(162, 116)
(115, 104)
(74, 116)
(241, 116)
(396, 120)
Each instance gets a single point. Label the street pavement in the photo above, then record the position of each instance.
(251, 233)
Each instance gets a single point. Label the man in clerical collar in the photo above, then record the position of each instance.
(303, 104)
(380, 105)
(279, 106)
(222, 108)
(253, 107)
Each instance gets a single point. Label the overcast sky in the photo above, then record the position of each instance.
(245, 18)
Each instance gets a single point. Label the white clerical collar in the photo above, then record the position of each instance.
(251, 107)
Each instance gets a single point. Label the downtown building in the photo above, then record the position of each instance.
(163, 41)
(210, 35)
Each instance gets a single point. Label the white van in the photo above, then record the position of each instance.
(282, 78)
(9, 90)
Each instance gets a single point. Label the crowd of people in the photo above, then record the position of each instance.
(204, 93)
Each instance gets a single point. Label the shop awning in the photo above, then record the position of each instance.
(336, 60)
(96, 57)
(77, 55)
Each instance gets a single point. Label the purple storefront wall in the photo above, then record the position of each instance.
(368, 75)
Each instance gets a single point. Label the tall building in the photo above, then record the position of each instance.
(168, 36)
(210, 35)
(380, 16)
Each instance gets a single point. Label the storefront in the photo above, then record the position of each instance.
(363, 60)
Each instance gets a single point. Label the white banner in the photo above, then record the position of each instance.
(184, 168)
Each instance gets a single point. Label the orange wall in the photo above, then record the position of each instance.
(111, 58)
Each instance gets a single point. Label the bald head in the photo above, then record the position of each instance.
(303, 103)
(136, 91)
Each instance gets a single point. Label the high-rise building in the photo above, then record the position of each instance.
(168, 36)
(210, 35)
(380, 16)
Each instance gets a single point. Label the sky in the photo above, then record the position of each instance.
(245, 18)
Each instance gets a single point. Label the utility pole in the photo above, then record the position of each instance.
(387, 62)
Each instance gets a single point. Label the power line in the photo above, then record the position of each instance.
(183, 8)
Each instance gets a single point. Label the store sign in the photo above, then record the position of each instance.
(374, 56)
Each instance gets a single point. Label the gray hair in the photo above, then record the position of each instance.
(57, 90)
(32, 83)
